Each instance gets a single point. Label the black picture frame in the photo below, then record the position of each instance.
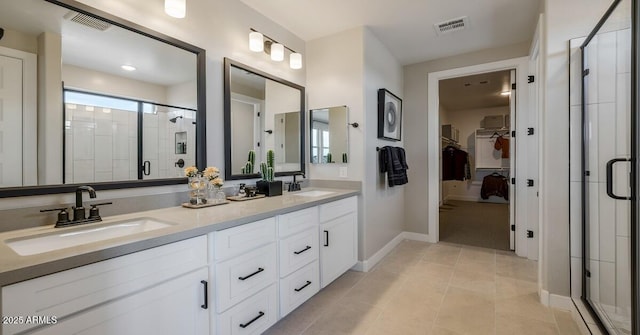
(389, 115)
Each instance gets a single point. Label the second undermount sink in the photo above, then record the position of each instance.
(90, 233)
(314, 193)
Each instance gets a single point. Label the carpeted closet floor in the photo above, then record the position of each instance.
(477, 224)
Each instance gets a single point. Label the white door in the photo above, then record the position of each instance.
(174, 307)
(10, 121)
(512, 164)
(532, 140)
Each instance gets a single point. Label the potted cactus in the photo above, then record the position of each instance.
(251, 162)
(267, 185)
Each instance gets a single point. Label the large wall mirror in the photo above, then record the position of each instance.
(329, 135)
(90, 98)
(262, 113)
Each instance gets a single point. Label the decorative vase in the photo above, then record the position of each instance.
(215, 194)
(197, 190)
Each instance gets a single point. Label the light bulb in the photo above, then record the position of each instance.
(176, 8)
(277, 52)
(295, 61)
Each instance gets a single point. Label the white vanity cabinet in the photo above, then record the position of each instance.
(298, 251)
(339, 238)
(162, 290)
(246, 274)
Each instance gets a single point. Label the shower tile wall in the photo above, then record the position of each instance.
(608, 106)
(100, 144)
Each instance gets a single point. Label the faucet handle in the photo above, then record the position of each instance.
(63, 215)
(94, 212)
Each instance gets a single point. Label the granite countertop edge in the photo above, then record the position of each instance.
(188, 223)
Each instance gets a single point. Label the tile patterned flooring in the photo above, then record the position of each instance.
(440, 289)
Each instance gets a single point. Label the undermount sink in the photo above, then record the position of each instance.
(314, 193)
(87, 234)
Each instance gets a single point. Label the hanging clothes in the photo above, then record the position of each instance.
(393, 161)
(495, 184)
(455, 164)
(502, 144)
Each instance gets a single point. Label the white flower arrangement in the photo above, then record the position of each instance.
(190, 171)
(211, 173)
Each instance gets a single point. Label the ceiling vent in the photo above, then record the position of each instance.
(88, 21)
(451, 25)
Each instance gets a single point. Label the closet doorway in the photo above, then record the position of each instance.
(477, 159)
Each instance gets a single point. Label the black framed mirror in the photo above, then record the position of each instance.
(261, 113)
(115, 95)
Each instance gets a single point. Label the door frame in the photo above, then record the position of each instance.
(521, 65)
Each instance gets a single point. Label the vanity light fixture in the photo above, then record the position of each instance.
(259, 42)
(176, 8)
(128, 68)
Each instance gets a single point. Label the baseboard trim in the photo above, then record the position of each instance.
(366, 265)
(555, 300)
(418, 237)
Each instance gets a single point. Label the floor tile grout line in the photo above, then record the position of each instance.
(435, 320)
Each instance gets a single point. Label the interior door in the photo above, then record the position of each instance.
(606, 135)
(10, 121)
(512, 164)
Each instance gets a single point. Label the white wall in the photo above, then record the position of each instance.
(565, 20)
(99, 82)
(415, 122)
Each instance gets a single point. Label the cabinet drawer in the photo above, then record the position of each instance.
(338, 208)
(242, 276)
(297, 221)
(252, 316)
(237, 240)
(298, 288)
(298, 250)
(74, 290)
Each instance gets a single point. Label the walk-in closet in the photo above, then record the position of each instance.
(476, 160)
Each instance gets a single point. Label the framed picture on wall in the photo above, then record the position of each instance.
(389, 115)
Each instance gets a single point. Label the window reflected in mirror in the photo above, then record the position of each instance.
(329, 135)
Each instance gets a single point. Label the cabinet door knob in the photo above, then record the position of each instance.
(245, 325)
(303, 286)
(326, 238)
(303, 250)
(205, 291)
(251, 275)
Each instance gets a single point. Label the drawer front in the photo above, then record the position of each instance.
(338, 208)
(297, 221)
(66, 292)
(240, 239)
(245, 275)
(298, 288)
(298, 250)
(252, 316)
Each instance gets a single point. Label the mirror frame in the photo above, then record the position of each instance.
(200, 150)
(227, 120)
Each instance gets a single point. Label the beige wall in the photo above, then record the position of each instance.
(19, 41)
(415, 122)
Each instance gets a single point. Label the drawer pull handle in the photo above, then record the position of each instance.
(261, 314)
(303, 250)
(206, 298)
(251, 275)
(303, 286)
(326, 238)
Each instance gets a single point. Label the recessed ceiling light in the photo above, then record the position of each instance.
(505, 93)
(128, 68)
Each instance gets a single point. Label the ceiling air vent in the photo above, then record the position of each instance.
(451, 25)
(87, 20)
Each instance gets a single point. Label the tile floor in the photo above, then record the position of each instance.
(423, 288)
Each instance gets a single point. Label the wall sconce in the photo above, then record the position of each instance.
(176, 8)
(259, 42)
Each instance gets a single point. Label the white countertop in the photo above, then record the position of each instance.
(188, 223)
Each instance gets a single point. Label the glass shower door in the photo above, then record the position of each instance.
(606, 169)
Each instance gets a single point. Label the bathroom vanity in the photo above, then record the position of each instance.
(233, 269)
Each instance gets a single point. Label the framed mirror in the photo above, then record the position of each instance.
(98, 100)
(261, 113)
(329, 135)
